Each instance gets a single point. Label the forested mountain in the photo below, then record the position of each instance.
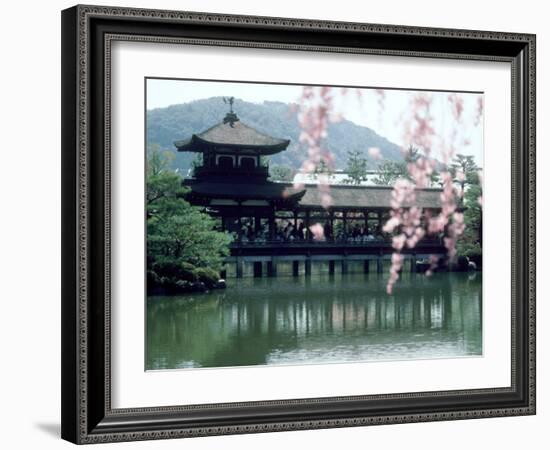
(166, 125)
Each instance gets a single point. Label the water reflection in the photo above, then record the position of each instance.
(316, 320)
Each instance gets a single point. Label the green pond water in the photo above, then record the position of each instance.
(315, 320)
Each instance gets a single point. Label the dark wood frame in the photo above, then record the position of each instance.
(87, 32)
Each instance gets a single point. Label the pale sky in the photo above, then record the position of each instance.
(387, 120)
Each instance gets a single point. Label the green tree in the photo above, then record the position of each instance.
(323, 168)
(471, 241)
(389, 171)
(466, 165)
(356, 168)
(178, 232)
(158, 161)
(280, 173)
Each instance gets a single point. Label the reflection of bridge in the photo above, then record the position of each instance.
(265, 255)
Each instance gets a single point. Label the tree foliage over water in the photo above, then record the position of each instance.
(177, 232)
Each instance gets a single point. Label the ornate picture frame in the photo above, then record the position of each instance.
(88, 415)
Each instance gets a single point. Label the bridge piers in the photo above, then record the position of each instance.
(366, 266)
(272, 268)
(257, 269)
(344, 266)
(413, 263)
(379, 265)
(239, 268)
(331, 265)
(295, 268)
(308, 266)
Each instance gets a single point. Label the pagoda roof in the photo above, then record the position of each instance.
(309, 196)
(234, 136)
(345, 196)
(269, 191)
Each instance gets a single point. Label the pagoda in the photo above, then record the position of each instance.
(232, 180)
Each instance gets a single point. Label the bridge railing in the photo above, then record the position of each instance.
(350, 242)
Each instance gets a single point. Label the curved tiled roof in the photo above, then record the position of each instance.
(234, 135)
(309, 196)
(367, 197)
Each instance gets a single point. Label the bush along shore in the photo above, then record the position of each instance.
(168, 278)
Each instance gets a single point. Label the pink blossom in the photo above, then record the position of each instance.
(457, 105)
(374, 153)
(399, 241)
(317, 231)
(479, 111)
(314, 116)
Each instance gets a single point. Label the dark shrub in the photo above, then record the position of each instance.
(153, 279)
(207, 276)
(188, 272)
(462, 263)
(167, 269)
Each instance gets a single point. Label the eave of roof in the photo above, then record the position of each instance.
(238, 137)
(309, 196)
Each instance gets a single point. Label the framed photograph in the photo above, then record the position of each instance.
(278, 224)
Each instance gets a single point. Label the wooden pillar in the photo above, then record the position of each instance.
(257, 223)
(223, 223)
(239, 268)
(272, 268)
(379, 226)
(295, 219)
(308, 232)
(344, 266)
(240, 226)
(257, 269)
(331, 221)
(271, 226)
(366, 266)
(331, 267)
(344, 223)
(366, 214)
(295, 268)
(413, 263)
(379, 265)
(308, 266)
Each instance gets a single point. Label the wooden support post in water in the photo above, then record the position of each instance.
(366, 266)
(344, 266)
(331, 267)
(413, 263)
(379, 264)
(295, 268)
(272, 268)
(239, 268)
(308, 266)
(257, 269)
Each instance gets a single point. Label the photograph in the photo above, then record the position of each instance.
(293, 224)
(272, 223)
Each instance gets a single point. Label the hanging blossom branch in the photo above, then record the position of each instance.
(315, 113)
(316, 105)
(405, 219)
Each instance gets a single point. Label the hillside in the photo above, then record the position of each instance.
(165, 125)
